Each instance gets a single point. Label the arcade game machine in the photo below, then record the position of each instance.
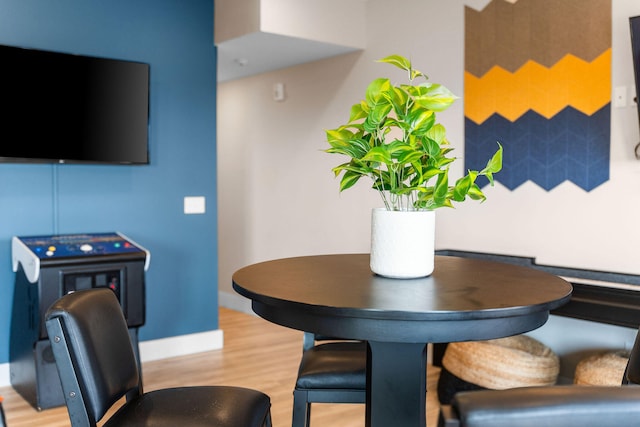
(48, 267)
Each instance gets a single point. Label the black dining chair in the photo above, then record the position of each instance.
(95, 359)
(551, 406)
(331, 371)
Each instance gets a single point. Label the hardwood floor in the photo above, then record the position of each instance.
(256, 354)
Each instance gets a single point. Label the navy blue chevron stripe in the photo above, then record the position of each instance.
(570, 146)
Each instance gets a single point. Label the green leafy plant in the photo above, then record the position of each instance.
(392, 137)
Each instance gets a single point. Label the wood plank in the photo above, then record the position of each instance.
(256, 354)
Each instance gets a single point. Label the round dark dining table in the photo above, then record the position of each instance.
(463, 300)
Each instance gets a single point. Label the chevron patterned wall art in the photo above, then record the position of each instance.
(538, 79)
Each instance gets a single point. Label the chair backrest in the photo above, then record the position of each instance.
(632, 373)
(93, 352)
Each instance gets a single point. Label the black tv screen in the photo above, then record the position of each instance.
(62, 108)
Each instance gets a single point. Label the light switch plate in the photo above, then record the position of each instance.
(194, 205)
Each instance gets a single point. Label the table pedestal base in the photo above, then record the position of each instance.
(396, 384)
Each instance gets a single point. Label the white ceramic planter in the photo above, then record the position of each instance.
(402, 243)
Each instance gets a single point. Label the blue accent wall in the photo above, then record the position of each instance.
(144, 202)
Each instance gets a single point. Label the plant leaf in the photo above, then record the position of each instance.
(339, 138)
(375, 91)
(399, 98)
(358, 111)
(441, 188)
(376, 116)
(420, 121)
(475, 193)
(378, 154)
(461, 188)
(494, 165)
(404, 64)
(435, 97)
(437, 132)
(349, 179)
(431, 147)
(397, 60)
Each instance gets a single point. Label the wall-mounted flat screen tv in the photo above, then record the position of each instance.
(62, 108)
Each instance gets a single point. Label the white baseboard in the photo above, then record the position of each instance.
(235, 302)
(160, 349)
(4, 375)
(181, 345)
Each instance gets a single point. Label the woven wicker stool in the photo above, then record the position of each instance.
(602, 369)
(518, 361)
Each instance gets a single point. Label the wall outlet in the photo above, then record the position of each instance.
(194, 205)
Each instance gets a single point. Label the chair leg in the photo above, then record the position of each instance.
(301, 409)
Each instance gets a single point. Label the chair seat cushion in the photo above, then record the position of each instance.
(562, 406)
(334, 365)
(218, 406)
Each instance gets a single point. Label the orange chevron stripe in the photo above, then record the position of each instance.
(571, 81)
